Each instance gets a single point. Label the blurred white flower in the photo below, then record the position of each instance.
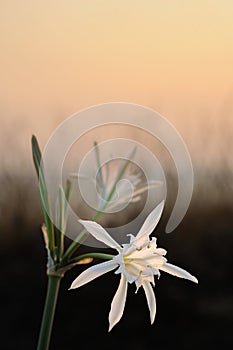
(115, 192)
(116, 183)
(137, 261)
(124, 189)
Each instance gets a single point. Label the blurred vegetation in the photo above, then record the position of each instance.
(187, 315)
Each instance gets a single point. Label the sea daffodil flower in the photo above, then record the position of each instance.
(137, 261)
(127, 190)
(117, 184)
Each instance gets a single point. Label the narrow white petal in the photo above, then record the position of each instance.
(178, 272)
(100, 234)
(146, 187)
(151, 221)
(93, 272)
(118, 303)
(150, 297)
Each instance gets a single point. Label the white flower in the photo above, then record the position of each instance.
(137, 261)
(127, 189)
(118, 184)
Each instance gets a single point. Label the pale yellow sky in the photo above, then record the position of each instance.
(59, 56)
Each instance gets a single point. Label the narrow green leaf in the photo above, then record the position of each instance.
(61, 218)
(120, 174)
(36, 154)
(98, 163)
(43, 193)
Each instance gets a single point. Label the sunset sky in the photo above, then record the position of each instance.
(57, 57)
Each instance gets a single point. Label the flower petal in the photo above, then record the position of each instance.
(118, 303)
(150, 223)
(130, 271)
(150, 297)
(144, 254)
(145, 276)
(178, 272)
(100, 234)
(93, 272)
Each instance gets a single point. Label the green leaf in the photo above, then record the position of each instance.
(43, 193)
(61, 218)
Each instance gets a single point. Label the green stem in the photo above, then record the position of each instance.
(49, 311)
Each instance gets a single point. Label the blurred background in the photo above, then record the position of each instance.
(58, 57)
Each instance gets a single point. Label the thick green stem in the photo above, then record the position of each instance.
(49, 311)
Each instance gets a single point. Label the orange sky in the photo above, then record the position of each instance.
(59, 56)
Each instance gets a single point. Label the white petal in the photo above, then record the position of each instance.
(145, 276)
(147, 186)
(178, 272)
(100, 234)
(160, 251)
(150, 297)
(93, 272)
(146, 253)
(130, 271)
(118, 303)
(154, 261)
(151, 222)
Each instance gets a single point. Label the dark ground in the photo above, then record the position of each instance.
(188, 315)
